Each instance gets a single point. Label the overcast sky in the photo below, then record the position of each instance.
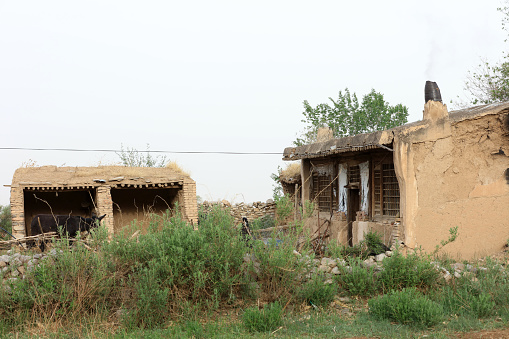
(217, 75)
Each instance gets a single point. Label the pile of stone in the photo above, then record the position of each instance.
(251, 211)
(336, 266)
(14, 265)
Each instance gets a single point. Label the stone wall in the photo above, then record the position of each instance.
(251, 211)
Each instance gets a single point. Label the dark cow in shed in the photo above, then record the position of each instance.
(70, 224)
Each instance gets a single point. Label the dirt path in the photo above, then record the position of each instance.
(488, 334)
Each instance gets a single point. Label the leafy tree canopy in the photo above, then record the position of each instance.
(489, 82)
(346, 116)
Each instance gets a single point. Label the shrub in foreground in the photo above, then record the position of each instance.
(264, 320)
(316, 291)
(412, 270)
(358, 280)
(407, 306)
(467, 298)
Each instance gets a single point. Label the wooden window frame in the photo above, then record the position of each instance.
(385, 192)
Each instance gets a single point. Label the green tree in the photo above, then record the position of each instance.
(345, 116)
(5, 221)
(131, 157)
(489, 82)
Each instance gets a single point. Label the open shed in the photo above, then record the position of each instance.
(122, 193)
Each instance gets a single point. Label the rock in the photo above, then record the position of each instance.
(447, 276)
(25, 258)
(336, 271)
(344, 299)
(369, 260)
(5, 258)
(21, 270)
(3, 264)
(380, 257)
(457, 274)
(458, 266)
(324, 268)
(328, 282)
(14, 273)
(388, 253)
(328, 262)
(340, 262)
(270, 201)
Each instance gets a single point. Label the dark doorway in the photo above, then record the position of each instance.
(354, 201)
(58, 202)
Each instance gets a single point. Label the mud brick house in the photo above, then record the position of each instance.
(415, 182)
(122, 193)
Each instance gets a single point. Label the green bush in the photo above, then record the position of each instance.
(407, 306)
(266, 221)
(358, 280)
(276, 268)
(468, 300)
(75, 283)
(374, 243)
(284, 208)
(202, 266)
(265, 320)
(316, 292)
(412, 270)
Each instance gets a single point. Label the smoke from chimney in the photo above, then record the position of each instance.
(432, 92)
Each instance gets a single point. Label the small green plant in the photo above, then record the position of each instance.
(317, 291)
(411, 270)
(374, 243)
(407, 306)
(357, 280)
(265, 320)
(453, 234)
(131, 157)
(468, 300)
(266, 221)
(308, 209)
(284, 208)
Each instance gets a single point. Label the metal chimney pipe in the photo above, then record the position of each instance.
(432, 92)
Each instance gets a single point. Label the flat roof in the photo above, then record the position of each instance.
(382, 139)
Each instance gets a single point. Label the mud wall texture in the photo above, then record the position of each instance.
(251, 211)
(457, 178)
(335, 225)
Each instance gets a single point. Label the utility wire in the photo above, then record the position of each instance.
(148, 151)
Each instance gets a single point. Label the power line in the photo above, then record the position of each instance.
(147, 151)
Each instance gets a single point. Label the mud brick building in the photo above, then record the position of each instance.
(415, 182)
(124, 194)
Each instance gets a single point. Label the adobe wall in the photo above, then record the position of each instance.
(387, 231)
(338, 228)
(455, 174)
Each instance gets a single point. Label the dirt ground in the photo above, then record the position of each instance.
(488, 334)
